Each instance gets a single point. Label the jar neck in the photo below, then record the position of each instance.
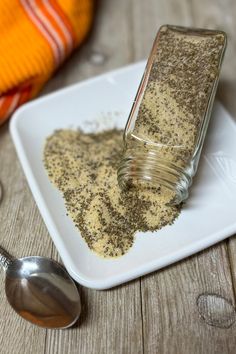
(151, 170)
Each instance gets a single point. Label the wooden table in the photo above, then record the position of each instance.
(157, 313)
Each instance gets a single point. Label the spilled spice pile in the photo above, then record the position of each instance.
(84, 168)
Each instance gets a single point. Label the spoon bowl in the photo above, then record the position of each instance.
(41, 291)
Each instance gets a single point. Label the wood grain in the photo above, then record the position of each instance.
(159, 313)
(172, 321)
(21, 233)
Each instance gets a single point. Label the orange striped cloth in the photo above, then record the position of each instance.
(35, 38)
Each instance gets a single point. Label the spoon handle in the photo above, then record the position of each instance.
(5, 259)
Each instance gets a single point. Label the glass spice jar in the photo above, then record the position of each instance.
(168, 121)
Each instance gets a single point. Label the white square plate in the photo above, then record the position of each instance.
(103, 102)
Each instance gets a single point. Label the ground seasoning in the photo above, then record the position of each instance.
(185, 67)
(84, 168)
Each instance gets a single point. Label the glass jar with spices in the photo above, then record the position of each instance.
(167, 125)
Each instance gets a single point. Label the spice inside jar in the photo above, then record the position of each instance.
(166, 128)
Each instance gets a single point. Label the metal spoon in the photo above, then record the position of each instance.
(41, 291)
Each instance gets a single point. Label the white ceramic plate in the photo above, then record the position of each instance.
(103, 102)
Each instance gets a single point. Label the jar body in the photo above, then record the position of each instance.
(167, 124)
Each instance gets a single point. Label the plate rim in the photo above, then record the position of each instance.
(114, 280)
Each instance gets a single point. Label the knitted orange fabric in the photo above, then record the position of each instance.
(36, 37)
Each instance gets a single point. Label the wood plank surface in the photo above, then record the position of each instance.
(186, 308)
(22, 233)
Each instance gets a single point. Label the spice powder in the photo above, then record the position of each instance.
(84, 168)
(181, 80)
